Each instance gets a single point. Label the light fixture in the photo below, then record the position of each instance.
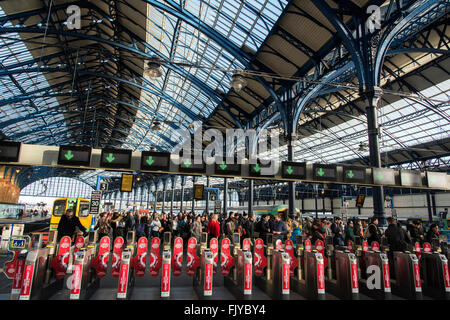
(238, 82)
(362, 147)
(156, 126)
(153, 70)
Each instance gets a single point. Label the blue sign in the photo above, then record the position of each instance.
(18, 243)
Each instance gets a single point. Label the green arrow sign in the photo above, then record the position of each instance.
(110, 158)
(187, 163)
(150, 160)
(68, 155)
(289, 170)
(379, 176)
(320, 172)
(256, 168)
(223, 165)
(350, 174)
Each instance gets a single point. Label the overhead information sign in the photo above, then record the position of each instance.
(262, 168)
(360, 200)
(227, 168)
(198, 191)
(354, 174)
(9, 151)
(410, 178)
(151, 160)
(293, 170)
(437, 180)
(94, 206)
(115, 158)
(324, 172)
(75, 155)
(383, 176)
(126, 183)
(188, 165)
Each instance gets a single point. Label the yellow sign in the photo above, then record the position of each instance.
(198, 191)
(126, 184)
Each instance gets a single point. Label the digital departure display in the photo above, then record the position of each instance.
(198, 191)
(262, 168)
(151, 160)
(293, 170)
(437, 180)
(75, 155)
(9, 151)
(354, 174)
(227, 167)
(324, 172)
(410, 178)
(383, 176)
(115, 158)
(360, 200)
(188, 165)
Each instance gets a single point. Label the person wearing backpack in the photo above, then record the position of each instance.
(395, 236)
(372, 232)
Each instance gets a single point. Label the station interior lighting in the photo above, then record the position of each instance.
(153, 70)
(238, 82)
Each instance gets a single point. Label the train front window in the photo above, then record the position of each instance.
(59, 207)
(84, 209)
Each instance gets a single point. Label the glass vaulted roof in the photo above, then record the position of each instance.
(243, 23)
(15, 87)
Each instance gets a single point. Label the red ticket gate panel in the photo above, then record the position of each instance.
(308, 246)
(28, 276)
(289, 248)
(365, 246)
(61, 261)
(260, 260)
(350, 245)
(226, 260)
(278, 245)
(165, 281)
(207, 289)
(139, 261)
(155, 258)
(177, 257)
(426, 247)
(100, 262)
(18, 277)
(192, 260)
(418, 250)
(247, 279)
(286, 278)
(76, 281)
(354, 275)
(214, 247)
(375, 246)
(246, 244)
(320, 249)
(79, 244)
(117, 256)
(11, 266)
(123, 280)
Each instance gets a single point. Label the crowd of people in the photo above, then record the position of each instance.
(188, 225)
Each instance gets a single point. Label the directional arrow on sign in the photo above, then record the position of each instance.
(187, 163)
(110, 158)
(223, 165)
(379, 176)
(350, 174)
(150, 160)
(289, 170)
(68, 155)
(256, 168)
(320, 172)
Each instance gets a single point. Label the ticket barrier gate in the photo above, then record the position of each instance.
(376, 287)
(436, 279)
(127, 274)
(407, 282)
(342, 281)
(309, 277)
(13, 269)
(240, 281)
(203, 277)
(33, 279)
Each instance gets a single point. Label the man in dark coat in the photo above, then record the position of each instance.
(68, 223)
(373, 232)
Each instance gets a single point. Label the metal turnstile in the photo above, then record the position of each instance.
(345, 285)
(436, 279)
(203, 278)
(376, 281)
(240, 283)
(407, 283)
